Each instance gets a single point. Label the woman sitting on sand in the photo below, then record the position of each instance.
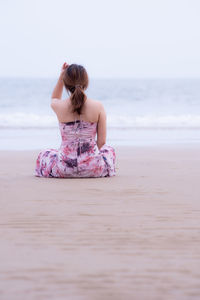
(79, 155)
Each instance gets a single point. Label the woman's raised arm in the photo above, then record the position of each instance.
(58, 89)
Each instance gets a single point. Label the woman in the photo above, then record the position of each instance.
(80, 119)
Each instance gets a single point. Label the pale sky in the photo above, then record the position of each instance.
(111, 38)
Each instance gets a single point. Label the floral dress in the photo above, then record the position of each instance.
(78, 155)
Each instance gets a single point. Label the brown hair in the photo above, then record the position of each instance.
(75, 79)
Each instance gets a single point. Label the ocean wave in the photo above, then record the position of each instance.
(27, 120)
(155, 121)
(20, 120)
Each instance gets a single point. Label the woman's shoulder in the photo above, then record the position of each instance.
(93, 106)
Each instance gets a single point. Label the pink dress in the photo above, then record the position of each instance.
(78, 155)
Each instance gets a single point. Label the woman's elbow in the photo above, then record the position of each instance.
(100, 143)
(53, 105)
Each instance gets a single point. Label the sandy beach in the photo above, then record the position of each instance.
(132, 236)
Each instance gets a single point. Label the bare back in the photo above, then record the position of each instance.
(92, 111)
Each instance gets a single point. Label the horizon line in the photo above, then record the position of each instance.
(104, 78)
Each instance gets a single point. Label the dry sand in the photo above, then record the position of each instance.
(133, 236)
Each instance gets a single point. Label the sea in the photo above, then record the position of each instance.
(140, 112)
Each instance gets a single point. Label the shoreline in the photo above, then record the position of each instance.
(161, 146)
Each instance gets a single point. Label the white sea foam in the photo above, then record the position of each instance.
(32, 120)
(26, 120)
(155, 121)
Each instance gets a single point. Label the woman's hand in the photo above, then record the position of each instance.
(64, 67)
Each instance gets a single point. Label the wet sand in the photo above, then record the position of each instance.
(132, 236)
